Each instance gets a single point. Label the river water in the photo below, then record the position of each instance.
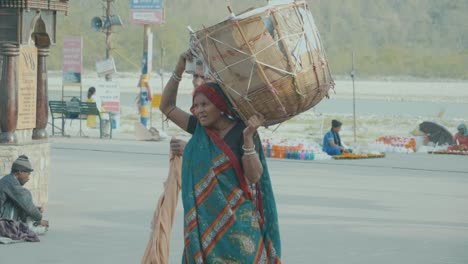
(374, 97)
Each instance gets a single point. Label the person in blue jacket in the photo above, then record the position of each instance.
(332, 142)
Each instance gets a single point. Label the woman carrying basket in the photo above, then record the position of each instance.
(229, 208)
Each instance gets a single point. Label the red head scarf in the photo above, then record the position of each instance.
(211, 92)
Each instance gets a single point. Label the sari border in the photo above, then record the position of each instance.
(234, 161)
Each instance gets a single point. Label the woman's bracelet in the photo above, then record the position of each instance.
(170, 111)
(249, 153)
(176, 78)
(248, 149)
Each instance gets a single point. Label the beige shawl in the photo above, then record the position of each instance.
(157, 250)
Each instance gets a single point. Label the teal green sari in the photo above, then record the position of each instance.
(226, 220)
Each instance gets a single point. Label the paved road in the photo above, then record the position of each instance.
(401, 209)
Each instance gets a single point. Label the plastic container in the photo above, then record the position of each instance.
(268, 152)
(282, 152)
(274, 151)
(311, 155)
(115, 120)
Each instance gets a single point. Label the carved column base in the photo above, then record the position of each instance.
(8, 138)
(39, 133)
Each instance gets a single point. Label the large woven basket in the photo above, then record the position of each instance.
(268, 60)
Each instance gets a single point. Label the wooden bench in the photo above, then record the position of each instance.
(58, 110)
(75, 110)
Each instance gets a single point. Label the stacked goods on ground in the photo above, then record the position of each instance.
(450, 152)
(293, 149)
(359, 156)
(394, 144)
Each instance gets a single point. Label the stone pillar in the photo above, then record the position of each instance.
(9, 93)
(42, 94)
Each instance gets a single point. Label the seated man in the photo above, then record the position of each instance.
(460, 139)
(332, 142)
(16, 202)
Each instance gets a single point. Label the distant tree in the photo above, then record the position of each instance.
(390, 37)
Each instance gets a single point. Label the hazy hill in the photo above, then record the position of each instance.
(424, 38)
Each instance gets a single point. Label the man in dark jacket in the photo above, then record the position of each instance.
(15, 200)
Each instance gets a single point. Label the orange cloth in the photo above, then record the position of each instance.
(461, 143)
(157, 250)
(461, 139)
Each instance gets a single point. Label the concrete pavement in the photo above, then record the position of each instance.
(401, 209)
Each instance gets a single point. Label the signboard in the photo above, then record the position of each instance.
(109, 95)
(105, 67)
(27, 88)
(146, 17)
(146, 4)
(72, 60)
(146, 12)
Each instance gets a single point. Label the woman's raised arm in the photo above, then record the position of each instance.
(169, 96)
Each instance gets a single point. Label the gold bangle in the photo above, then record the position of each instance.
(250, 153)
(176, 78)
(248, 150)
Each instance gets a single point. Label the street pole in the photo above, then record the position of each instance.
(145, 105)
(163, 51)
(108, 35)
(354, 96)
(146, 33)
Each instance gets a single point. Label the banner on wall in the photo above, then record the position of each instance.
(72, 60)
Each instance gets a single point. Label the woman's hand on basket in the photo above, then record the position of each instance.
(183, 58)
(250, 160)
(253, 124)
